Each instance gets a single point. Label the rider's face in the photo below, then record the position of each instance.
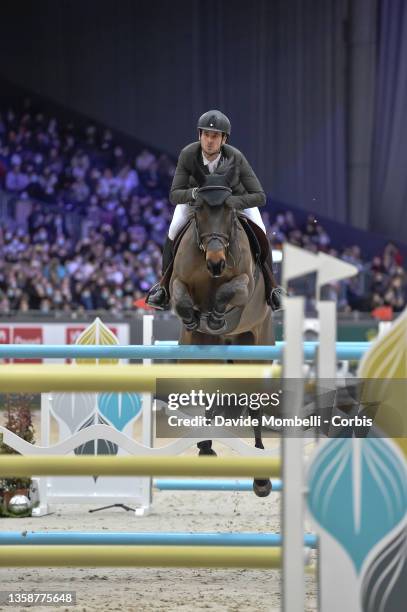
(211, 143)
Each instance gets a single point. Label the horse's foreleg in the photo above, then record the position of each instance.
(236, 292)
(256, 415)
(184, 305)
(261, 487)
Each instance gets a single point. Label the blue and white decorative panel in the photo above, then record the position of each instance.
(76, 412)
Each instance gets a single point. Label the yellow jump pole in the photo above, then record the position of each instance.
(96, 378)
(140, 556)
(102, 465)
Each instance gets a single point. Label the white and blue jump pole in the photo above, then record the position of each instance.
(146, 539)
(164, 350)
(193, 484)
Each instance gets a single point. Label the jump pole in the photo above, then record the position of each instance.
(45, 538)
(117, 378)
(210, 485)
(102, 465)
(163, 350)
(142, 556)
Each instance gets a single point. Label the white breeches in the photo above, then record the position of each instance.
(181, 214)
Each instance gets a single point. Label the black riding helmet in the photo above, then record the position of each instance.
(214, 121)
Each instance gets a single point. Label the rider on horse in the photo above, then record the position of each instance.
(247, 194)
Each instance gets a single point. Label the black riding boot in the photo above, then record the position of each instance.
(273, 291)
(158, 296)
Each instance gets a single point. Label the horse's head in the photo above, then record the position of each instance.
(213, 219)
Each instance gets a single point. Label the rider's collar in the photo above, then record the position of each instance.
(212, 165)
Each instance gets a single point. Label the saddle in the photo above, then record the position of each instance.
(257, 239)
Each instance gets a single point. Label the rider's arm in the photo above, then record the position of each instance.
(254, 195)
(181, 192)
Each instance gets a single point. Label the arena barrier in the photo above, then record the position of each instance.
(344, 351)
(210, 485)
(146, 539)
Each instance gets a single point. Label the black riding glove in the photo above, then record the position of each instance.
(235, 202)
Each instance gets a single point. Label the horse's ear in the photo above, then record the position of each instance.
(198, 174)
(227, 169)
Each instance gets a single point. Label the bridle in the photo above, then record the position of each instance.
(225, 239)
(214, 198)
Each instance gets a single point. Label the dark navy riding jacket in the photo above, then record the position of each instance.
(246, 189)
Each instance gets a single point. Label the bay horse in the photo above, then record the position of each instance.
(217, 287)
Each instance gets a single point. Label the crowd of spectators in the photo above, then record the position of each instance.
(88, 220)
(382, 281)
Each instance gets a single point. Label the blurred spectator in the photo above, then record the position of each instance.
(16, 180)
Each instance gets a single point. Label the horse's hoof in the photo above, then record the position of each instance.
(216, 324)
(262, 488)
(276, 298)
(193, 323)
(208, 452)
